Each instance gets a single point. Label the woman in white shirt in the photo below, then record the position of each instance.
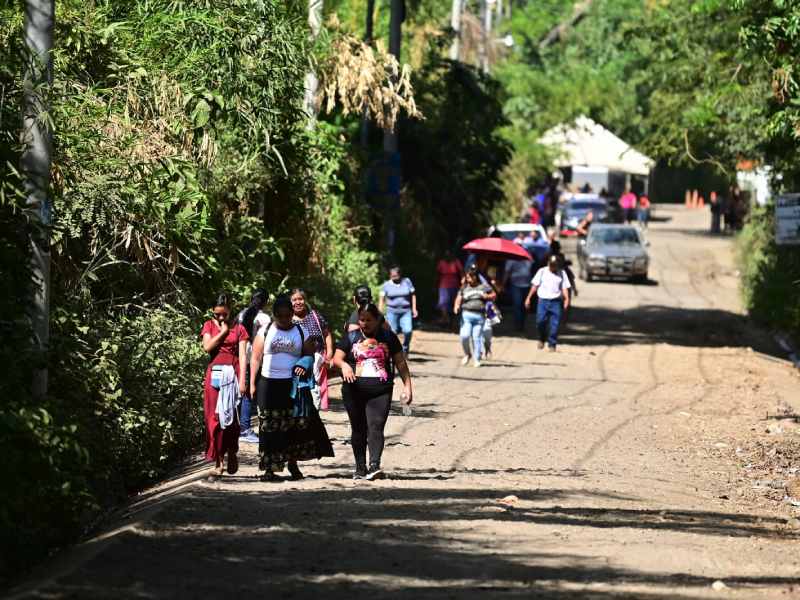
(276, 350)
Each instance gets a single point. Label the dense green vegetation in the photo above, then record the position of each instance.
(183, 165)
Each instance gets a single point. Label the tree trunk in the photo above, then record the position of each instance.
(36, 141)
(395, 38)
(390, 141)
(368, 38)
(312, 81)
(455, 24)
(557, 33)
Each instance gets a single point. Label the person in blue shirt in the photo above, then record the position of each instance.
(517, 280)
(536, 246)
(399, 299)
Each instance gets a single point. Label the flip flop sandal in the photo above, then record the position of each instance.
(214, 474)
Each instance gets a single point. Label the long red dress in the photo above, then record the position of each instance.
(221, 440)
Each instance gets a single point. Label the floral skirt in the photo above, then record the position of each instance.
(283, 437)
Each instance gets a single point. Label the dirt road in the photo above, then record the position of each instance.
(620, 450)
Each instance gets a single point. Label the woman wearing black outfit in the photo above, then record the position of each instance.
(367, 358)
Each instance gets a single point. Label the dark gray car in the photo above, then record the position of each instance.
(613, 251)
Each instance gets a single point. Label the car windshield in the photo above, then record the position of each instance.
(617, 235)
(576, 206)
(511, 235)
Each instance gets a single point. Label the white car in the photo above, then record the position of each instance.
(509, 231)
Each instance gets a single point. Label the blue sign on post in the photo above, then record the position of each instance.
(384, 180)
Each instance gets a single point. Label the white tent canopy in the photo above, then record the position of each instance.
(586, 143)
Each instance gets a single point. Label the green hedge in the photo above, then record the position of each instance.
(770, 273)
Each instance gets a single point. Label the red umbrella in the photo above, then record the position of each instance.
(497, 247)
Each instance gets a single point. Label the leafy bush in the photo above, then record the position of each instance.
(770, 273)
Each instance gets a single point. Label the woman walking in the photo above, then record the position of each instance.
(284, 438)
(226, 344)
(400, 299)
(253, 319)
(471, 303)
(316, 330)
(644, 211)
(450, 272)
(367, 358)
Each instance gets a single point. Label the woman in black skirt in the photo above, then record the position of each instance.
(286, 435)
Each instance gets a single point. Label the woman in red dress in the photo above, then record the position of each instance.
(226, 343)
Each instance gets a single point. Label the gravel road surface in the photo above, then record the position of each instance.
(605, 470)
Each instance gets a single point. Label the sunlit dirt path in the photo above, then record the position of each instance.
(614, 449)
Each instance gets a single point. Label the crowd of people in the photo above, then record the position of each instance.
(279, 363)
(727, 212)
(468, 294)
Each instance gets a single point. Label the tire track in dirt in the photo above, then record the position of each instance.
(415, 423)
(654, 384)
(459, 459)
(692, 277)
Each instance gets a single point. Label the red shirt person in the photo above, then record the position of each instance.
(226, 344)
(449, 273)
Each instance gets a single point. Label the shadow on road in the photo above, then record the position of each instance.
(649, 324)
(382, 542)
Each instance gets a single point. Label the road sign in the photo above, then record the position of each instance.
(787, 220)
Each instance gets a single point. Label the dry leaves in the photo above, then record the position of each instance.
(363, 79)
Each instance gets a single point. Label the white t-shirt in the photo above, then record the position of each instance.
(261, 321)
(281, 351)
(550, 285)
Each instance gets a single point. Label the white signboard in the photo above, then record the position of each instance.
(787, 219)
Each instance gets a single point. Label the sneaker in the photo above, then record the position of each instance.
(249, 437)
(360, 472)
(375, 472)
(476, 364)
(552, 348)
(465, 361)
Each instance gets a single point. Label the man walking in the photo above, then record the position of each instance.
(716, 211)
(551, 285)
(517, 280)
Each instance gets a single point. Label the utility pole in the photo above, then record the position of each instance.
(36, 140)
(390, 142)
(395, 38)
(368, 39)
(486, 46)
(455, 24)
(312, 81)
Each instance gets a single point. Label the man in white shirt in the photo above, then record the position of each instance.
(551, 285)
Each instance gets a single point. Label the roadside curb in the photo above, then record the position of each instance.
(785, 342)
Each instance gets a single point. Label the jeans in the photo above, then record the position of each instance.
(548, 318)
(245, 413)
(402, 322)
(518, 295)
(368, 411)
(472, 328)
